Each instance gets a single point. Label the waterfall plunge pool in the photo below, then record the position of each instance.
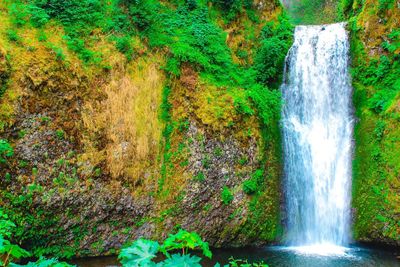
(280, 256)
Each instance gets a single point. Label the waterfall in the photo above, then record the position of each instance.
(317, 137)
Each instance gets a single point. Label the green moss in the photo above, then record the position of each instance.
(226, 195)
(376, 85)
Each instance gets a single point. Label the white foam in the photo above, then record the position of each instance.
(321, 250)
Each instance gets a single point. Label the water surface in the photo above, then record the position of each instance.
(284, 257)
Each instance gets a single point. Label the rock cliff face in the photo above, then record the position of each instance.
(110, 151)
(375, 44)
(118, 132)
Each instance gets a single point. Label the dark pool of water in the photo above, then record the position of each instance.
(284, 257)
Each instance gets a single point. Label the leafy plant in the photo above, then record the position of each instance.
(226, 195)
(43, 262)
(123, 44)
(178, 260)
(184, 241)
(200, 177)
(142, 252)
(6, 151)
(39, 16)
(19, 14)
(385, 4)
(8, 251)
(244, 263)
(13, 36)
(139, 254)
(252, 185)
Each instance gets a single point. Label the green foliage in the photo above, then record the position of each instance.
(123, 44)
(39, 16)
(43, 262)
(19, 14)
(178, 260)
(231, 8)
(244, 263)
(185, 240)
(381, 100)
(392, 41)
(13, 36)
(60, 134)
(143, 13)
(384, 75)
(308, 12)
(376, 80)
(379, 129)
(9, 251)
(269, 60)
(384, 5)
(251, 185)
(226, 195)
(77, 45)
(165, 117)
(267, 102)
(142, 252)
(6, 151)
(76, 15)
(139, 254)
(200, 177)
(60, 56)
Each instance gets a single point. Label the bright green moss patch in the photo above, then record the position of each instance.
(376, 80)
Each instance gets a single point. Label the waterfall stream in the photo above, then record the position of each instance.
(317, 137)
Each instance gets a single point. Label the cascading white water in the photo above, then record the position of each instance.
(317, 135)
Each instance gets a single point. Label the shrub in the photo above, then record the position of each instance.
(123, 45)
(143, 13)
(379, 129)
(384, 5)
(268, 103)
(8, 251)
(230, 8)
(381, 100)
(19, 14)
(13, 36)
(39, 16)
(226, 195)
(270, 57)
(78, 16)
(6, 151)
(250, 186)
